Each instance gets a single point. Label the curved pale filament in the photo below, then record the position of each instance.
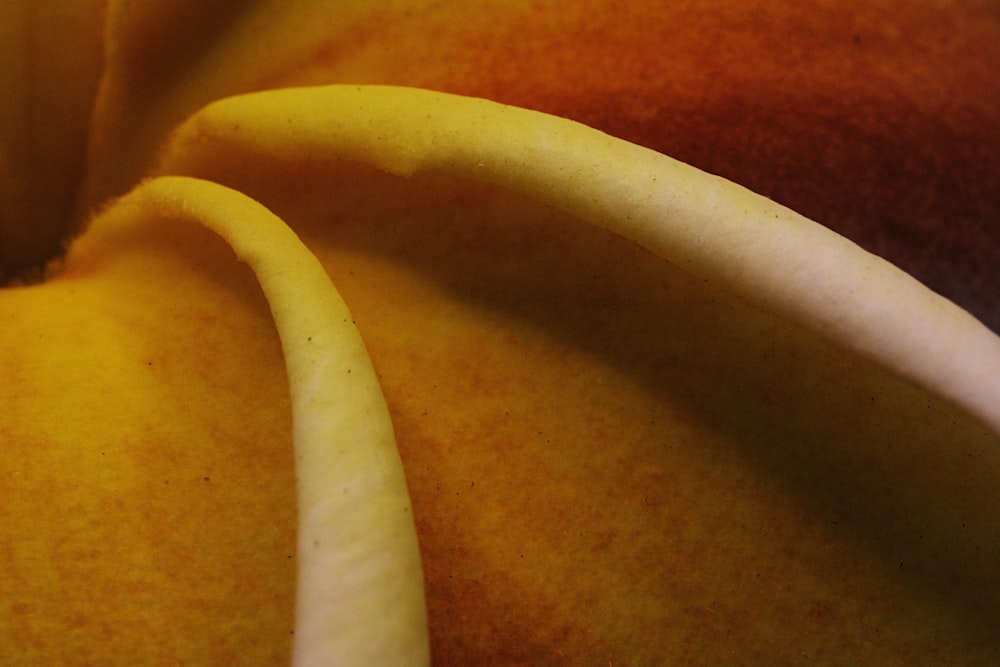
(763, 252)
(360, 598)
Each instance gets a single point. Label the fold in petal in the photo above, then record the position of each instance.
(50, 60)
(358, 562)
(877, 122)
(764, 253)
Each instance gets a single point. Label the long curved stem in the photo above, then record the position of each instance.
(765, 253)
(360, 597)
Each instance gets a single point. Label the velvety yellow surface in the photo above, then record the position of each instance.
(610, 463)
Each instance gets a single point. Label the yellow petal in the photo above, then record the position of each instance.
(608, 464)
(147, 463)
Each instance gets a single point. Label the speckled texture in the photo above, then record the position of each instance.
(610, 462)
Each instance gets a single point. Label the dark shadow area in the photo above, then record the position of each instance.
(888, 464)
